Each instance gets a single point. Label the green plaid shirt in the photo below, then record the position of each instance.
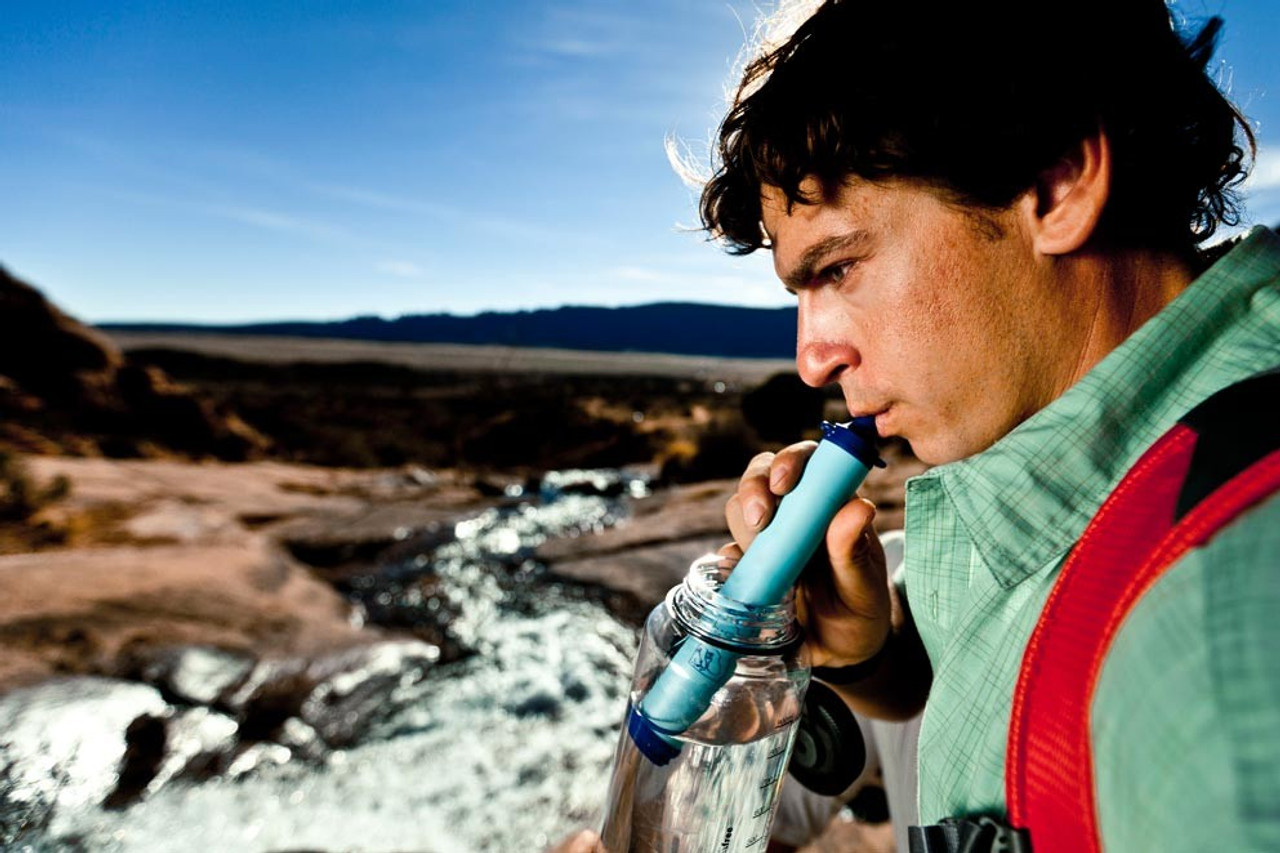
(1186, 716)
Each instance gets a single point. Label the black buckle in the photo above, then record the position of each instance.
(981, 834)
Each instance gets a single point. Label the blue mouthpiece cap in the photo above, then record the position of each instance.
(858, 438)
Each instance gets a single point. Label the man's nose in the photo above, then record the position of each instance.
(823, 348)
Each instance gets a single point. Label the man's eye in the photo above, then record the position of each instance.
(833, 274)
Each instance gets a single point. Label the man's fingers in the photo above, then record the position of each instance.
(851, 533)
(730, 551)
(857, 563)
(753, 503)
(787, 466)
(847, 540)
(751, 506)
(768, 476)
(741, 532)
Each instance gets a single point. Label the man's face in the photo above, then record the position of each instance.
(948, 328)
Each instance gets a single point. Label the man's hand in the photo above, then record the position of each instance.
(843, 596)
(582, 841)
(844, 599)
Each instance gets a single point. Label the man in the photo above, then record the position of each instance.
(990, 215)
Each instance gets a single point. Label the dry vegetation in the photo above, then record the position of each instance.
(375, 414)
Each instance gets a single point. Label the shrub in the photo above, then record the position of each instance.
(20, 496)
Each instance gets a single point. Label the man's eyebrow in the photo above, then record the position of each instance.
(807, 266)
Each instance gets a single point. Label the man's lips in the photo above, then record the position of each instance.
(881, 415)
(884, 424)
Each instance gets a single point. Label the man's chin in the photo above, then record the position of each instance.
(942, 449)
(932, 449)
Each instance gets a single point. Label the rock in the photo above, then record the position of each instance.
(272, 693)
(359, 688)
(635, 580)
(99, 611)
(49, 354)
(195, 675)
(637, 561)
(337, 696)
(720, 449)
(144, 751)
(198, 742)
(69, 386)
(379, 533)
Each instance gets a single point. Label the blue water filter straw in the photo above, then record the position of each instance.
(763, 577)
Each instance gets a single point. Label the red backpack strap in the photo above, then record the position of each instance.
(1210, 467)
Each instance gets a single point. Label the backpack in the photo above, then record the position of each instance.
(1218, 461)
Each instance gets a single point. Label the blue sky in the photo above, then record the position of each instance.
(233, 160)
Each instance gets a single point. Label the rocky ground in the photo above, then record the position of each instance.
(171, 553)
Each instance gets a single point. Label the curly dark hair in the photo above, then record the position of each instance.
(976, 100)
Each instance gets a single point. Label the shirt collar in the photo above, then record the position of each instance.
(1026, 500)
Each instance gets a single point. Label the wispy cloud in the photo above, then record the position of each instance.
(1262, 190)
(577, 32)
(400, 269)
(575, 47)
(497, 226)
(379, 200)
(1266, 172)
(245, 214)
(718, 279)
(280, 222)
(638, 274)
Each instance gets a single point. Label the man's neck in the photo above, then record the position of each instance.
(1125, 289)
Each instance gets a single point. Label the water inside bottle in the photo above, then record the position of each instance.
(718, 795)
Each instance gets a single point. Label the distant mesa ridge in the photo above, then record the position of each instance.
(682, 328)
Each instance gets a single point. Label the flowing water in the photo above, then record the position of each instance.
(507, 749)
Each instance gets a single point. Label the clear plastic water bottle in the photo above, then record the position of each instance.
(718, 790)
(719, 681)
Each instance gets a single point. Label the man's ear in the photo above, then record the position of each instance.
(1070, 196)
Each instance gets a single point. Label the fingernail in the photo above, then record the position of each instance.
(754, 514)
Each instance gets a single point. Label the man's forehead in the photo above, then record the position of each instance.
(849, 200)
(817, 215)
(776, 209)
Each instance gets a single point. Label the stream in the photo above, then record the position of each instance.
(505, 747)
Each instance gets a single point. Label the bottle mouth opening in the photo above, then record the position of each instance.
(700, 609)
